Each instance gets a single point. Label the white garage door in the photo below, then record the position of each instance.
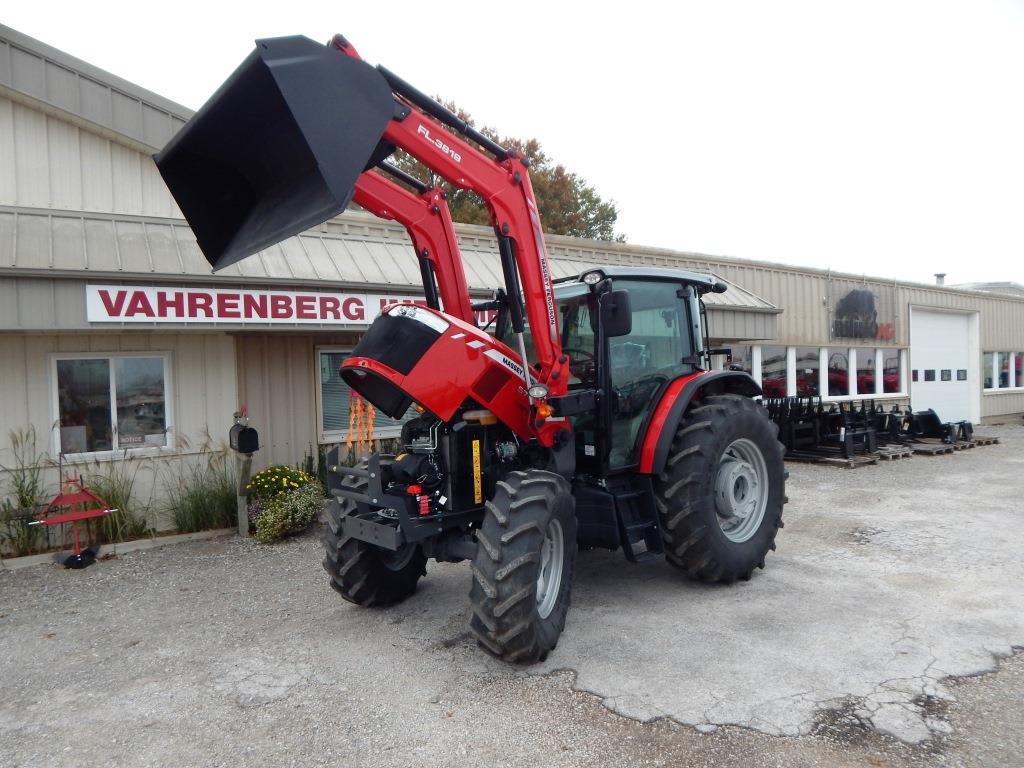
(940, 364)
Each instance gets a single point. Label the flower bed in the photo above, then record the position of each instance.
(282, 501)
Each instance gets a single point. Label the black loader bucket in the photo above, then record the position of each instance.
(278, 148)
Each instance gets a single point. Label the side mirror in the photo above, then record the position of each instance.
(616, 314)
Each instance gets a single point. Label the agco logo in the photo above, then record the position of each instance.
(439, 144)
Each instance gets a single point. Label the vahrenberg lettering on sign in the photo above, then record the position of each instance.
(150, 304)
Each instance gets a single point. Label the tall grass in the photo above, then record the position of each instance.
(114, 482)
(203, 495)
(25, 484)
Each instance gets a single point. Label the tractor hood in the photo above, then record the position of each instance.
(278, 148)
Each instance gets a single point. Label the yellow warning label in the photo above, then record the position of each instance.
(478, 489)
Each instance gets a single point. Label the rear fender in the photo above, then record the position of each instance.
(661, 429)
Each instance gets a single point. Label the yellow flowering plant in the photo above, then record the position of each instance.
(277, 481)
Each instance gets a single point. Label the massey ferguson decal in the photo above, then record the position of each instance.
(510, 364)
(542, 258)
(149, 304)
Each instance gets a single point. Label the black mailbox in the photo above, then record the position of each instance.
(244, 439)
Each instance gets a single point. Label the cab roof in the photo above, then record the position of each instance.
(703, 282)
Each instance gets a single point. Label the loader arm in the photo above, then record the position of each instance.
(502, 180)
(428, 221)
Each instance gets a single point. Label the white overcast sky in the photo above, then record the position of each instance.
(884, 138)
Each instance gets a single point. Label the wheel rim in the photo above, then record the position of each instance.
(741, 490)
(397, 560)
(549, 577)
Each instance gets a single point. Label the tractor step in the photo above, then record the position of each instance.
(639, 529)
(643, 542)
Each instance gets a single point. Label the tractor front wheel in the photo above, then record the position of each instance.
(721, 493)
(363, 573)
(522, 573)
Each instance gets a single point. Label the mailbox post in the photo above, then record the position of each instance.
(244, 441)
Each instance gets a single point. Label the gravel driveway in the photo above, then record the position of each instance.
(888, 580)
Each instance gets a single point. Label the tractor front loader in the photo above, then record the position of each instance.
(586, 417)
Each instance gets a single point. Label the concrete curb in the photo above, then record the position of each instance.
(121, 548)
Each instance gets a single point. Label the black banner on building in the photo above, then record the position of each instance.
(861, 312)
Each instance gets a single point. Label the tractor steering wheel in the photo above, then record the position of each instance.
(588, 356)
(583, 364)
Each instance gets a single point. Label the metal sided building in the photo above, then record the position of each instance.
(117, 339)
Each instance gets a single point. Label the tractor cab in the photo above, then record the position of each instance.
(629, 332)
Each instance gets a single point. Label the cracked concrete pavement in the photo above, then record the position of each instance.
(888, 580)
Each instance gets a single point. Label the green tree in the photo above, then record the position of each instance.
(567, 204)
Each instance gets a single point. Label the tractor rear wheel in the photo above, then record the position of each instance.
(721, 493)
(363, 573)
(522, 573)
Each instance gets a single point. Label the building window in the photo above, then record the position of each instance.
(333, 402)
(808, 363)
(108, 403)
(838, 372)
(866, 371)
(1002, 370)
(773, 371)
(890, 371)
(742, 360)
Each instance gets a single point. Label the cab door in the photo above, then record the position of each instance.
(641, 364)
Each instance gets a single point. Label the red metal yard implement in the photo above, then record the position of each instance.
(72, 505)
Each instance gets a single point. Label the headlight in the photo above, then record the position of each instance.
(537, 391)
(593, 278)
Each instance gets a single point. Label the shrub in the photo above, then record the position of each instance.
(203, 495)
(289, 513)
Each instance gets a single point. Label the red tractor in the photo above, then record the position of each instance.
(585, 417)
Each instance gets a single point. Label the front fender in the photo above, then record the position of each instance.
(661, 428)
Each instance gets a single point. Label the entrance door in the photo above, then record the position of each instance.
(941, 370)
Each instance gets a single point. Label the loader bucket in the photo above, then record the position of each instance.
(278, 148)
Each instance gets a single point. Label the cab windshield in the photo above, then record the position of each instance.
(572, 302)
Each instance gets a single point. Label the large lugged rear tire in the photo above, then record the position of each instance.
(522, 573)
(721, 493)
(363, 573)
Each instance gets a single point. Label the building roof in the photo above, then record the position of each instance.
(355, 249)
(1007, 288)
(37, 74)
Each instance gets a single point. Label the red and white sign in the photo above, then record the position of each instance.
(149, 304)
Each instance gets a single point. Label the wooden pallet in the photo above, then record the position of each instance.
(836, 461)
(982, 440)
(933, 449)
(894, 452)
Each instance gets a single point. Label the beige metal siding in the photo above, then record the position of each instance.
(202, 378)
(277, 382)
(49, 163)
(57, 83)
(203, 388)
(998, 404)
